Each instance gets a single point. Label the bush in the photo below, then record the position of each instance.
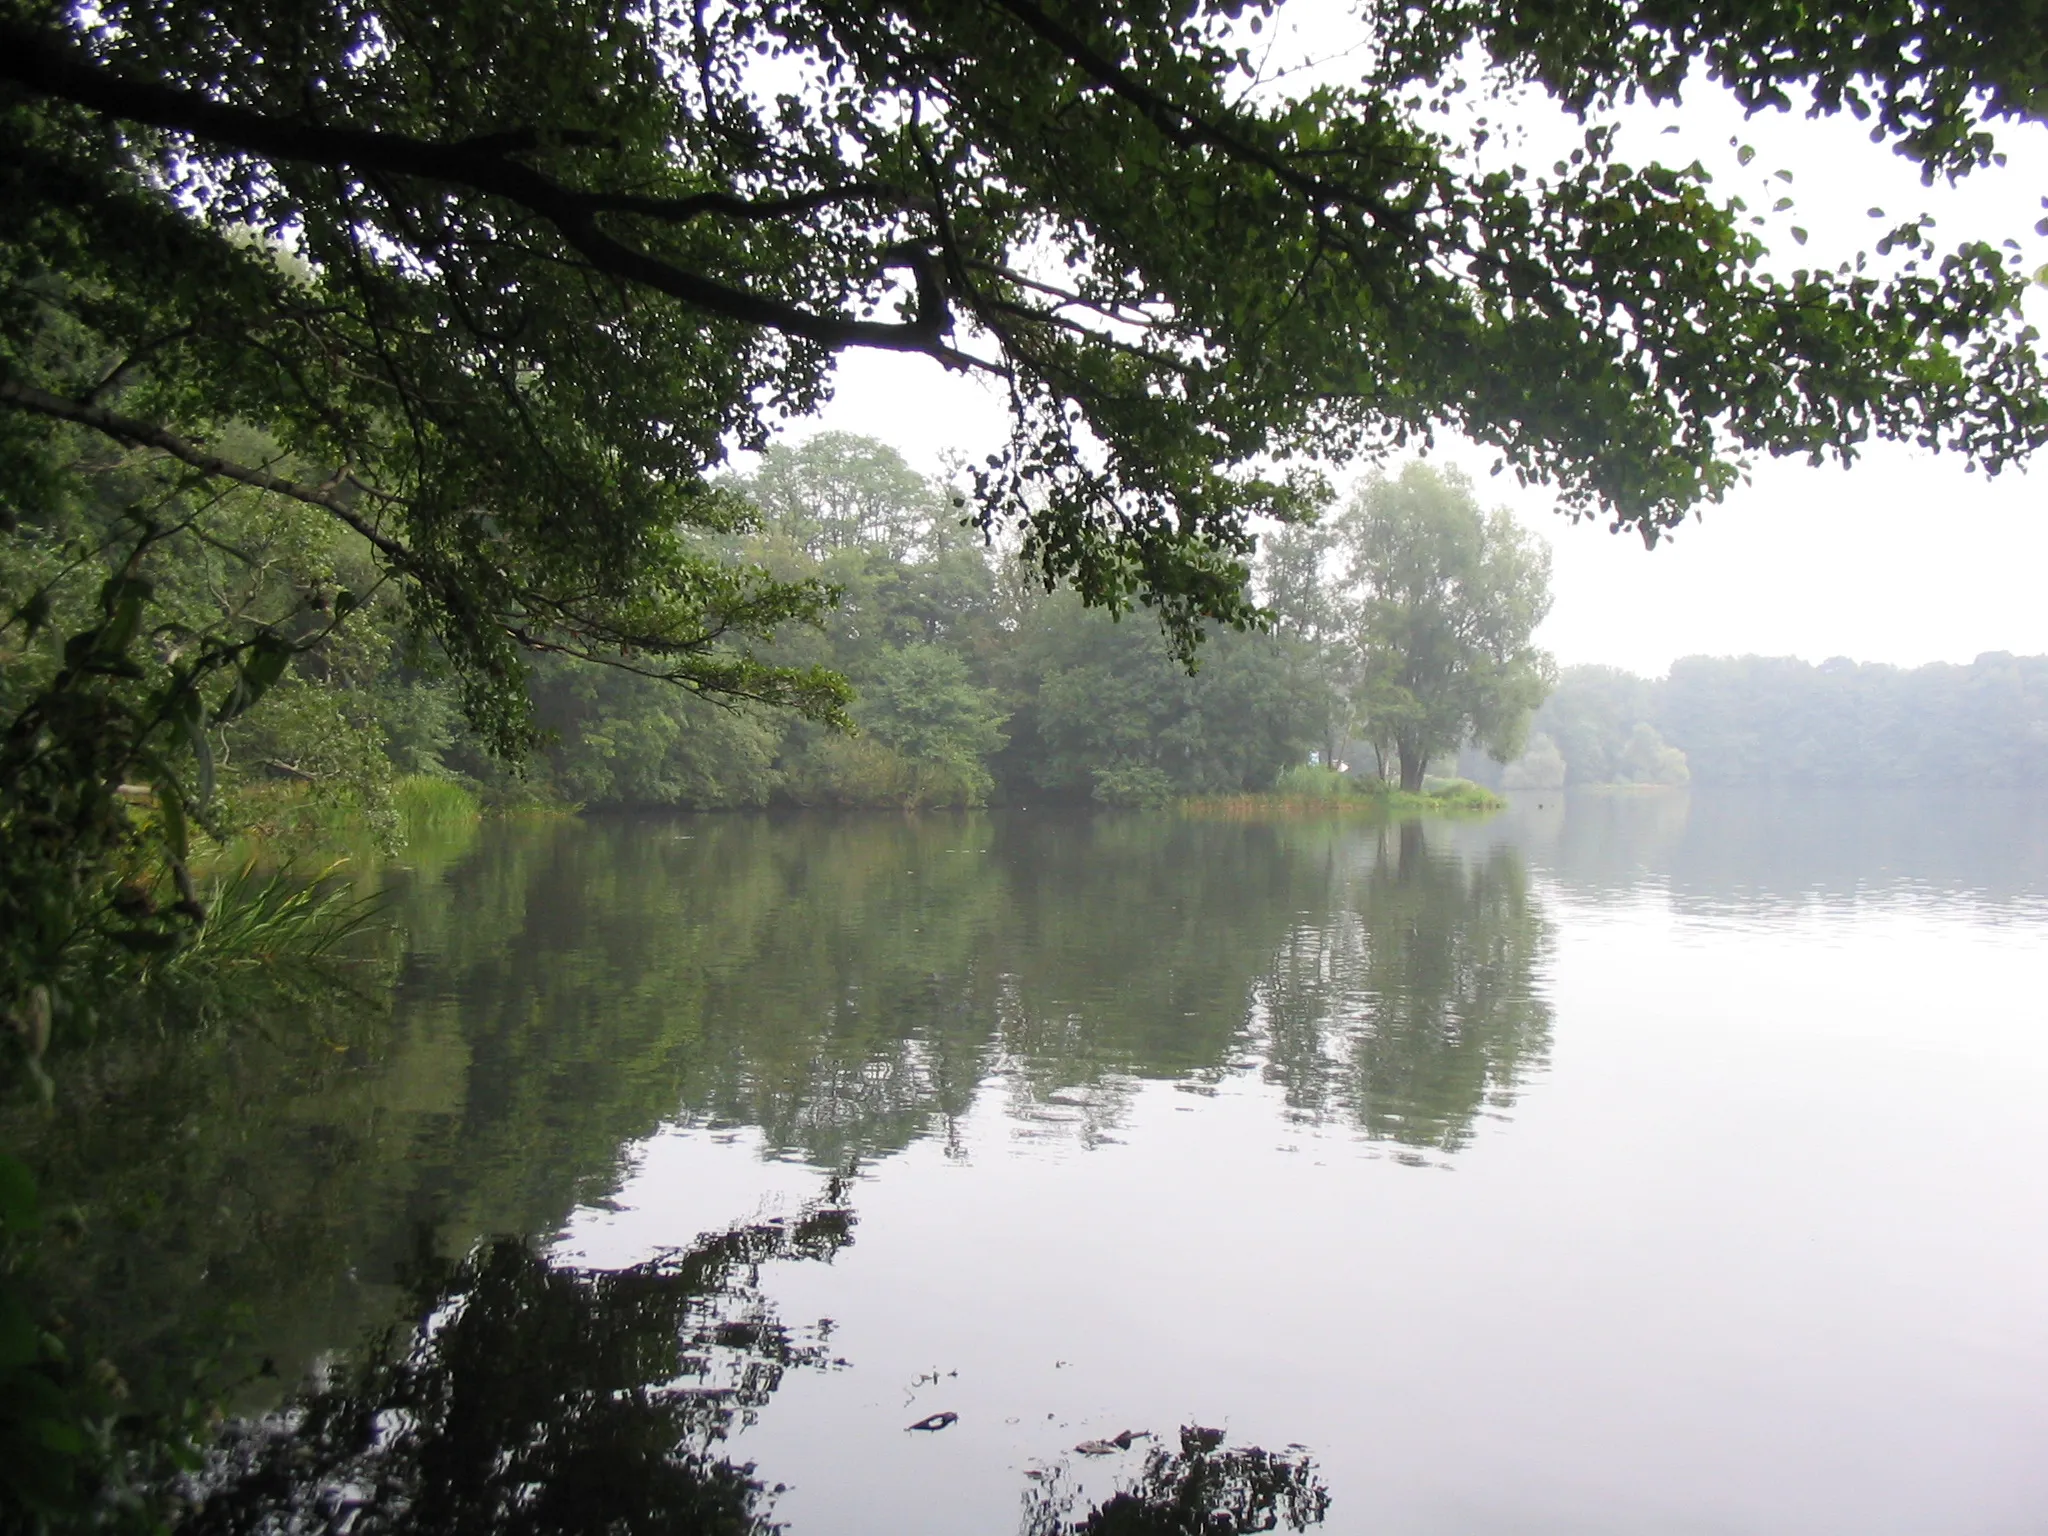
(1311, 781)
(1132, 784)
(431, 807)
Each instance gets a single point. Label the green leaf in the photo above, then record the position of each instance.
(202, 752)
(258, 673)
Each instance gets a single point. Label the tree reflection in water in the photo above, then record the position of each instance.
(1415, 1005)
(534, 1398)
(1202, 1490)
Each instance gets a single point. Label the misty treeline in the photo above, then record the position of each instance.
(970, 683)
(1399, 632)
(967, 683)
(1762, 720)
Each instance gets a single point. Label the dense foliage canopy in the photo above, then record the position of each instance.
(507, 282)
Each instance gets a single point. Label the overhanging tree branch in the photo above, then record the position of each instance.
(585, 636)
(43, 63)
(1183, 126)
(143, 434)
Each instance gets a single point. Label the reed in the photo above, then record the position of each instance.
(433, 807)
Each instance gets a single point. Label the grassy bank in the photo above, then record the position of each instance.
(1308, 791)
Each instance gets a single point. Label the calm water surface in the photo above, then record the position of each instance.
(1616, 1165)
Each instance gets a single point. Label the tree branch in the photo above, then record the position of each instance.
(41, 62)
(1183, 126)
(143, 434)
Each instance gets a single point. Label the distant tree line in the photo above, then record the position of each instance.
(1400, 631)
(1754, 720)
(970, 682)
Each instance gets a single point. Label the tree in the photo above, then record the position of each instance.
(923, 704)
(1300, 586)
(837, 491)
(1591, 715)
(1104, 713)
(499, 287)
(1541, 766)
(1447, 598)
(551, 263)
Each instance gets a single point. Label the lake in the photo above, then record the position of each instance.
(1654, 1163)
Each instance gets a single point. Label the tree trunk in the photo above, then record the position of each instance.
(1414, 763)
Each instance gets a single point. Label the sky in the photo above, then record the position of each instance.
(1902, 558)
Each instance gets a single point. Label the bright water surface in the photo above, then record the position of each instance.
(1616, 1165)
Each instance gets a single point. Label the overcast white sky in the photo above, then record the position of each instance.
(1902, 558)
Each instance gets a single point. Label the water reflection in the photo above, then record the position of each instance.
(572, 994)
(532, 1398)
(1765, 852)
(1199, 1490)
(851, 986)
(848, 986)
(1415, 1006)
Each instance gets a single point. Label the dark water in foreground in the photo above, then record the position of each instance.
(1617, 1165)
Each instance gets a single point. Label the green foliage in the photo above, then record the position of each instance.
(1457, 796)
(1647, 760)
(498, 313)
(1541, 766)
(1094, 697)
(1447, 598)
(268, 918)
(81, 897)
(1761, 720)
(533, 292)
(628, 740)
(1314, 791)
(430, 807)
(969, 685)
(1131, 784)
(922, 704)
(1591, 717)
(1312, 781)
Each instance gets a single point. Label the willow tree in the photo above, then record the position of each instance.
(1445, 600)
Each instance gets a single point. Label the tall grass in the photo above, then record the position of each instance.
(257, 918)
(1307, 790)
(431, 807)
